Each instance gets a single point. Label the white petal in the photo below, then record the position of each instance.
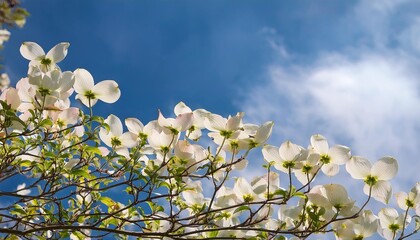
(123, 151)
(199, 117)
(385, 169)
(164, 122)
(235, 122)
(289, 151)
(58, 52)
(105, 137)
(181, 108)
(83, 81)
(320, 143)
(336, 194)
(358, 167)
(66, 81)
(264, 132)
(381, 191)
(115, 125)
(330, 169)
(318, 199)
(85, 100)
(134, 125)
(339, 154)
(31, 50)
(12, 98)
(215, 122)
(21, 189)
(387, 216)
(107, 91)
(128, 139)
(242, 187)
(184, 121)
(271, 153)
(70, 115)
(401, 200)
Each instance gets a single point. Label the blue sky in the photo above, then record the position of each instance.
(345, 69)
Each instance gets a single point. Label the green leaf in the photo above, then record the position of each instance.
(46, 123)
(93, 150)
(242, 208)
(300, 195)
(80, 172)
(18, 210)
(107, 201)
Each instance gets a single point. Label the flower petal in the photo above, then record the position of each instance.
(66, 81)
(264, 132)
(336, 194)
(134, 125)
(184, 121)
(85, 100)
(330, 169)
(381, 191)
(289, 151)
(215, 122)
(181, 108)
(115, 125)
(83, 81)
(320, 143)
(271, 154)
(385, 169)
(31, 50)
(339, 154)
(128, 139)
(107, 91)
(58, 52)
(358, 167)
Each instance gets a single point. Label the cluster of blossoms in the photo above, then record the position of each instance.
(79, 176)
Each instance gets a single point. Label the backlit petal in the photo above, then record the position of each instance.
(385, 168)
(107, 91)
(358, 167)
(58, 52)
(31, 50)
(83, 81)
(320, 143)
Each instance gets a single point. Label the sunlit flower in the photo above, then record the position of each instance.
(376, 176)
(410, 200)
(330, 158)
(285, 157)
(391, 222)
(33, 52)
(115, 137)
(89, 93)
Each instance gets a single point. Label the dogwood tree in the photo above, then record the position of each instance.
(66, 172)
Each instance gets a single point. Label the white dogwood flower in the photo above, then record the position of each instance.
(33, 52)
(376, 176)
(89, 93)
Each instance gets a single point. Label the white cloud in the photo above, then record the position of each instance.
(366, 96)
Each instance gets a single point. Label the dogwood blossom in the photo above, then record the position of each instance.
(33, 52)
(332, 157)
(115, 138)
(391, 222)
(376, 176)
(89, 93)
(285, 157)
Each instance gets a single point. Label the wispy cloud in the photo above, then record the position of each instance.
(365, 95)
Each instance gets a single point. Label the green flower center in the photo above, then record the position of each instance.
(371, 180)
(90, 95)
(46, 61)
(325, 159)
(115, 142)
